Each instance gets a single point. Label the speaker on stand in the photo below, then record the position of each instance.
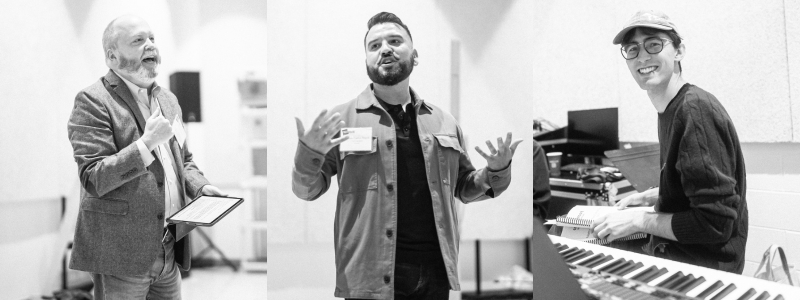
(186, 86)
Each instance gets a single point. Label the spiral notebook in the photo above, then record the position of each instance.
(583, 234)
(577, 221)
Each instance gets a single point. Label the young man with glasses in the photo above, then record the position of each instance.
(700, 208)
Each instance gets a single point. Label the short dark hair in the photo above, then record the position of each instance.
(385, 17)
(673, 36)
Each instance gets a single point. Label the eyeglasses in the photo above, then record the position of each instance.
(652, 45)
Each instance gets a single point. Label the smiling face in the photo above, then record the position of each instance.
(136, 55)
(654, 71)
(390, 54)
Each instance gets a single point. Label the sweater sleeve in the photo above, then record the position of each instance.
(707, 166)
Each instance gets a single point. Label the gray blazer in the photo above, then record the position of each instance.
(121, 216)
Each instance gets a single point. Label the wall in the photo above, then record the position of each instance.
(51, 50)
(773, 199)
(579, 68)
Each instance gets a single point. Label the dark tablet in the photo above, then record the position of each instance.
(205, 210)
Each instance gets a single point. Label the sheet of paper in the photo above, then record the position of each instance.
(177, 129)
(360, 139)
(205, 209)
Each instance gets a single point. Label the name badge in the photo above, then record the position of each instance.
(177, 129)
(360, 139)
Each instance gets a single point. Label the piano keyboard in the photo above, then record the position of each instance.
(664, 279)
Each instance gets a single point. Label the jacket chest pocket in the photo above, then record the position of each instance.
(359, 170)
(449, 149)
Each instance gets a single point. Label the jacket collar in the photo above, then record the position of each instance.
(367, 99)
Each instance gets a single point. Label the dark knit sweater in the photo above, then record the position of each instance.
(702, 183)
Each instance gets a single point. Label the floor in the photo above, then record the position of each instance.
(223, 283)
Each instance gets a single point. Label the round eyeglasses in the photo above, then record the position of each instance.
(652, 45)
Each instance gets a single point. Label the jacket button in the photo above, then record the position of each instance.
(389, 143)
(495, 178)
(390, 187)
(160, 183)
(160, 216)
(315, 161)
(389, 233)
(387, 279)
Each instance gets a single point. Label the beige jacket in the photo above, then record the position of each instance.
(366, 206)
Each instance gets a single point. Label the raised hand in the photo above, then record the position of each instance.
(320, 136)
(499, 157)
(157, 129)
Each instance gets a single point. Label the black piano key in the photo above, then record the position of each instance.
(679, 282)
(779, 297)
(764, 296)
(624, 264)
(727, 290)
(569, 257)
(591, 259)
(689, 285)
(600, 261)
(629, 269)
(556, 244)
(646, 272)
(710, 289)
(570, 251)
(579, 257)
(560, 247)
(670, 280)
(612, 265)
(655, 275)
(747, 294)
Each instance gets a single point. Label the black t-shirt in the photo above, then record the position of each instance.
(417, 241)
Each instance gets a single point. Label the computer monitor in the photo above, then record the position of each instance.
(600, 126)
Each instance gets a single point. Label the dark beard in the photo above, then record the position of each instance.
(393, 77)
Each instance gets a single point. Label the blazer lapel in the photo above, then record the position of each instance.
(119, 87)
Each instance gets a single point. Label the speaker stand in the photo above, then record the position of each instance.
(212, 247)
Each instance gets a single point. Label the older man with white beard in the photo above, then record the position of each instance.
(134, 172)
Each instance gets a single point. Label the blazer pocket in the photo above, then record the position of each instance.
(105, 205)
